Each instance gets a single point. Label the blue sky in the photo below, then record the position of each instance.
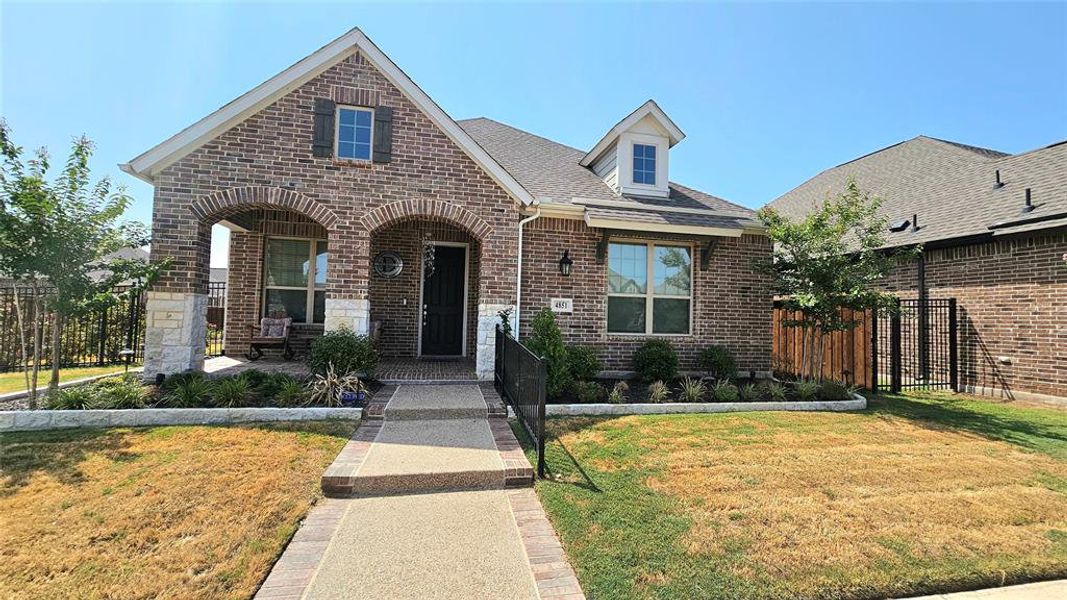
(768, 94)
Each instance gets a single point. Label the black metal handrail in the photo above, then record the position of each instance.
(520, 378)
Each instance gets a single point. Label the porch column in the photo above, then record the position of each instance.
(345, 313)
(347, 301)
(488, 319)
(175, 330)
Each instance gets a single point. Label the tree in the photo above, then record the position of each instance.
(828, 261)
(55, 238)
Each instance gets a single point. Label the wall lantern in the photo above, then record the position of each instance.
(565, 263)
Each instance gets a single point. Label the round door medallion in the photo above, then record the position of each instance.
(388, 264)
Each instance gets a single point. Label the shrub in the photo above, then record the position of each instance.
(119, 392)
(718, 361)
(546, 341)
(750, 392)
(588, 392)
(267, 385)
(832, 390)
(80, 397)
(773, 391)
(692, 390)
(190, 390)
(724, 391)
(658, 392)
(346, 351)
(618, 393)
(290, 393)
(806, 389)
(583, 362)
(656, 360)
(232, 392)
(326, 389)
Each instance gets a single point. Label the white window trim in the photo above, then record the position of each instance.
(337, 132)
(625, 163)
(650, 285)
(309, 289)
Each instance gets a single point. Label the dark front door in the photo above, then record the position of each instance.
(442, 303)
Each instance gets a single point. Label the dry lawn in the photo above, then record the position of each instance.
(887, 502)
(168, 512)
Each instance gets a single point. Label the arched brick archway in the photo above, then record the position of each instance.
(431, 210)
(221, 204)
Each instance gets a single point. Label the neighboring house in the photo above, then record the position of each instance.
(353, 198)
(994, 231)
(140, 254)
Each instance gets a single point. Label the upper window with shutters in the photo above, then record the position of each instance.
(354, 133)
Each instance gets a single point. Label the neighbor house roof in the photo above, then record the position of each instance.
(150, 163)
(553, 173)
(950, 187)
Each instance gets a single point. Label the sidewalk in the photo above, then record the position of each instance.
(1045, 590)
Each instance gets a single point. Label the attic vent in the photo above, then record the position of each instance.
(998, 183)
(1029, 206)
(899, 225)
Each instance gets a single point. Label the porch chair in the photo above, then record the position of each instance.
(270, 333)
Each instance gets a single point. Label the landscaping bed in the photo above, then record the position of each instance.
(915, 495)
(198, 512)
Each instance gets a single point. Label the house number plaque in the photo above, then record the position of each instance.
(562, 305)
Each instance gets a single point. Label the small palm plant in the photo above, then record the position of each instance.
(658, 392)
(692, 390)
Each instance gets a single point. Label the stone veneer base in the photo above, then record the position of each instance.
(857, 403)
(36, 420)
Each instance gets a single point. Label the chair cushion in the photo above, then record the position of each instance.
(274, 328)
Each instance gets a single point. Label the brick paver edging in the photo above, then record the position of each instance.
(35, 420)
(292, 573)
(339, 480)
(551, 571)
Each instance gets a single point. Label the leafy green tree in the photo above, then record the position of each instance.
(828, 261)
(55, 238)
(546, 341)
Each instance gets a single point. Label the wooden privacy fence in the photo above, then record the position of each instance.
(848, 356)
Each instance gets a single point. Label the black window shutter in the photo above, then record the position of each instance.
(322, 131)
(383, 134)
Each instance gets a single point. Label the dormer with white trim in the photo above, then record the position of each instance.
(633, 157)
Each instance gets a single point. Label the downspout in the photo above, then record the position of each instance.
(518, 278)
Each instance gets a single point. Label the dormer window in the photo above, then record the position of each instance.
(645, 164)
(354, 133)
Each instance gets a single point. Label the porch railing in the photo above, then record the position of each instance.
(520, 377)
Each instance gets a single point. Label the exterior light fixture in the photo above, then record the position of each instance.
(565, 263)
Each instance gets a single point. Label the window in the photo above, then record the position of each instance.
(294, 277)
(645, 164)
(649, 288)
(354, 133)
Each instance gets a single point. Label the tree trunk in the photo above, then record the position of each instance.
(57, 331)
(22, 338)
(38, 342)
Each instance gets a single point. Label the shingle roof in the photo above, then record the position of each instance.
(551, 172)
(949, 186)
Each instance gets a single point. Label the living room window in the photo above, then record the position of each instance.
(294, 279)
(645, 164)
(649, 288)
(354, 133)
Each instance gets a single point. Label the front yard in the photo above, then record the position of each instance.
(915, 495)
(190, 512)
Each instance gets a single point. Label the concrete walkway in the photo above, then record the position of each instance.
(430, 510)
(1045, 590)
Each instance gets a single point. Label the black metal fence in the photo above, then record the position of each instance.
(917, 347)
(520, 378)
(216, 318)
(93, 339)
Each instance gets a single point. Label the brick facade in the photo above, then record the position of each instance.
(732, 303)
(1012, 304)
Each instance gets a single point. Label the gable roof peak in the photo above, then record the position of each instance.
(648, 109)
(148, 165)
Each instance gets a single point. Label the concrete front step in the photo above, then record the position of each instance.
(436, 402)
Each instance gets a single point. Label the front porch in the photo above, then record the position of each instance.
(389, 371)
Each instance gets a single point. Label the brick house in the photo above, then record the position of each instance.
(354, 201)
(993, 228)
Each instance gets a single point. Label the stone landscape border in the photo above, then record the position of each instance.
(37, 420)
(858, 402)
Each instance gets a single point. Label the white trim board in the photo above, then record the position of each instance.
(150, 163)
(648, 108)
